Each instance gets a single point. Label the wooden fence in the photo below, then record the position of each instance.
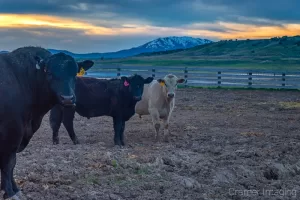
(211, 77)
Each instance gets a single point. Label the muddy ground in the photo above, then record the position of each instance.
(237, 144)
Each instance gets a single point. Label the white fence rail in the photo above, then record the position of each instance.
(199, 76)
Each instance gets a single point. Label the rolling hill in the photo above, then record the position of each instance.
(160, 44)
(278, 52)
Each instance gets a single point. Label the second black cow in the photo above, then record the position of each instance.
(95, 97)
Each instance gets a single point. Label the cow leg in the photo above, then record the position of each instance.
(13, 182)
(122, 133)
(8, 183)
(56, 116)
(166, 129)
(155, 120)
(117, 128)
(68, 123)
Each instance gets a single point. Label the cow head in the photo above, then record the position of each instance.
(169, 84)
(134, 85)
(60, 71)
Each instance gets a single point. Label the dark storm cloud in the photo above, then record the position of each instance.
(71, 40)
(163, 12)
(184, 15)
(281, 10)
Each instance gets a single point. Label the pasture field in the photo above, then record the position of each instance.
(251, 63)
(225, 144)
(271, 54)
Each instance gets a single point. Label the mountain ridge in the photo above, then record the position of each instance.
(272, 53)
(159, 44)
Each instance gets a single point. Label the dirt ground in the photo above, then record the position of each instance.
(225, 144)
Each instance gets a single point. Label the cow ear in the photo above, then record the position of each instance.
(125, 81)
(124, 78)
(148, 80)
(162, 82)
(40, 64)
(85, 65)
(181, 80)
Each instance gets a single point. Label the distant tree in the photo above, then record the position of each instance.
(284, 38)
(274, 39)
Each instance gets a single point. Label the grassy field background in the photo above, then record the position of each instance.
(280, 53)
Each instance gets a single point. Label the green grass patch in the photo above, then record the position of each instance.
(289, 105)
(274, 54)
(232, 64)
(237, 88)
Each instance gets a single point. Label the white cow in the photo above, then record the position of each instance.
(158, 100)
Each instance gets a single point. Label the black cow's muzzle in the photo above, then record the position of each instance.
(67, 100)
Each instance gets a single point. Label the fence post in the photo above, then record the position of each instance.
(250, 79)
(219, 79)
(185, 76)
(118, 72)
(153, 73)
(283, 79)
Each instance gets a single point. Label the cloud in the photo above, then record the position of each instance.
(161, 13)
(109, 25)
(67, 39)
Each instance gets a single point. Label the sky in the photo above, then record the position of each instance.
(84, 26)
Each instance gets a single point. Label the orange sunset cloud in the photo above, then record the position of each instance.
(232, 30)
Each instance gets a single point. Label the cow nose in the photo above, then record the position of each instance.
(67, 100)
(171, 95)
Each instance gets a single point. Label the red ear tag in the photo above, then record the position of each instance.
(126, 84)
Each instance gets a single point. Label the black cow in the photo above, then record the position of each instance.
(32, 81)
(95, 97)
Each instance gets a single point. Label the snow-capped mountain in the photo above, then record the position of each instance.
(160, 44)
(172, 43)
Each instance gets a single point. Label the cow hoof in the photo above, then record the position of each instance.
(55, 142)
(156, 139)
(15, 197)
(118, 143)
(117, 148)
(76, 142)
(166, 138)
(21, 195)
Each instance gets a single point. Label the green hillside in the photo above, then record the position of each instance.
(274, 53)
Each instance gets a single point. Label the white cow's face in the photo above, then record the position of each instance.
(169, 84)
